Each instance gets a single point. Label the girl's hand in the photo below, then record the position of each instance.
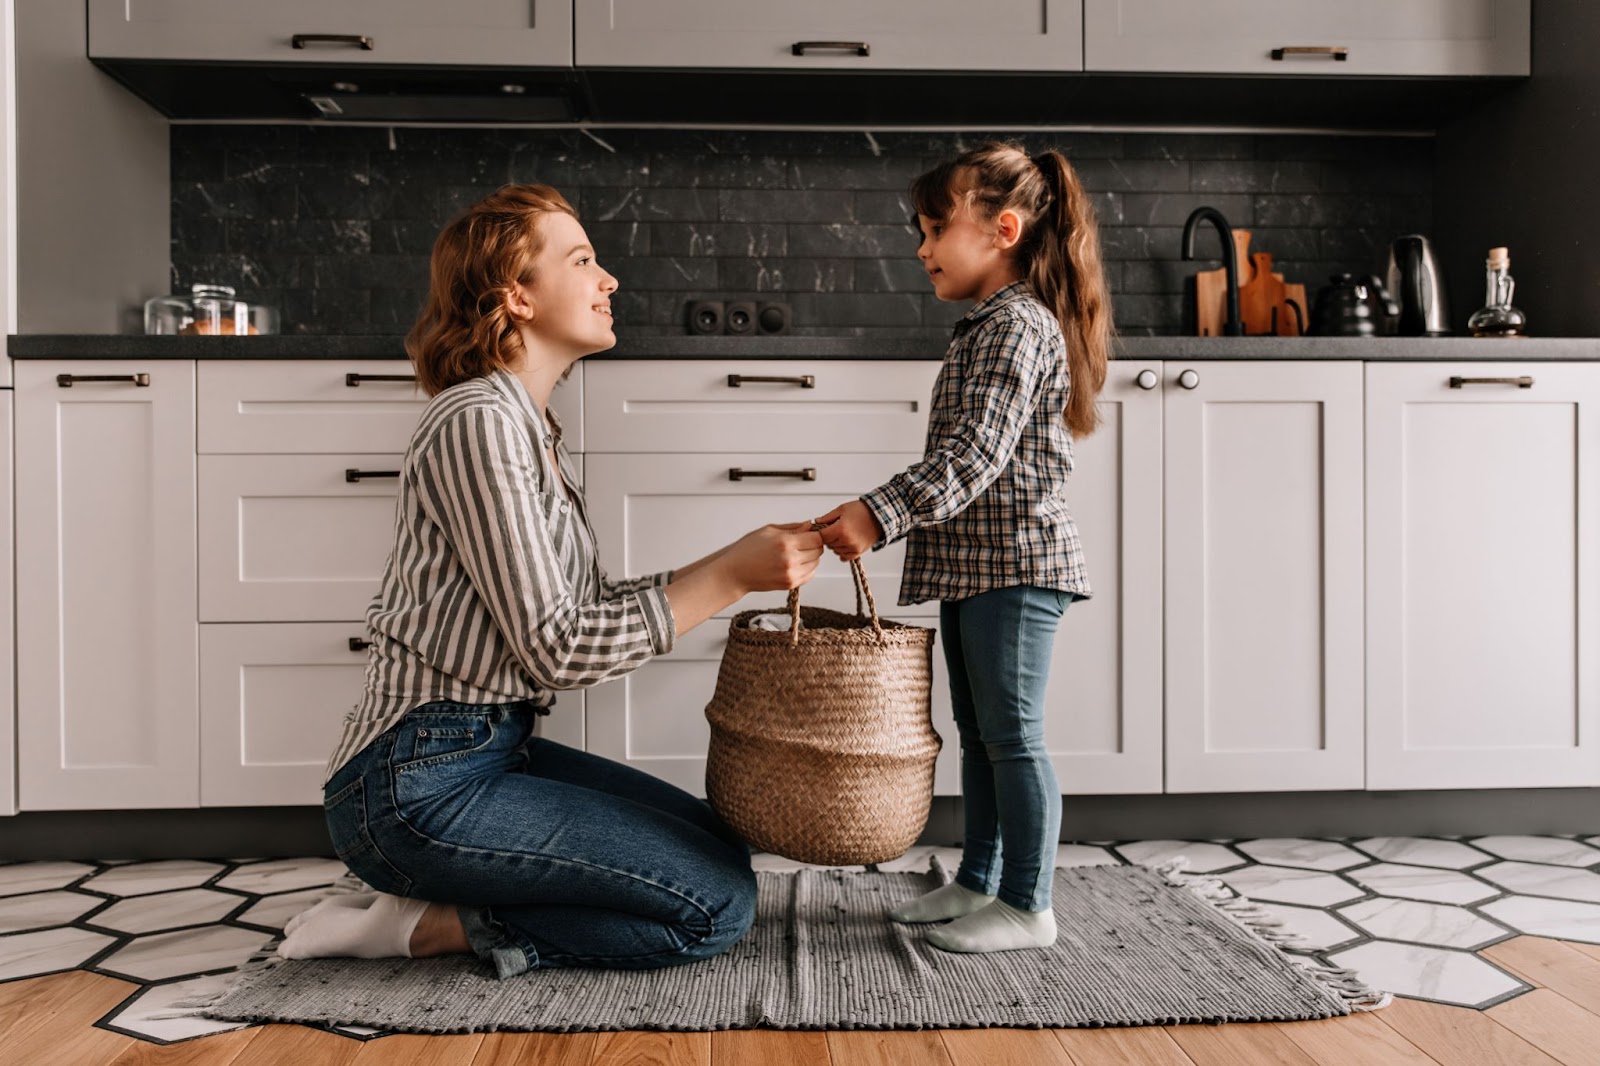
(775, 557)
(850, 529)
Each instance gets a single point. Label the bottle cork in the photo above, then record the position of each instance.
(1500, 258)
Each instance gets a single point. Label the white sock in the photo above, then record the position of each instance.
(997, 927)
(942, 904)
(361, 925)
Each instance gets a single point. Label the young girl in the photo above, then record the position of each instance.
(478, 834)
(985, 511)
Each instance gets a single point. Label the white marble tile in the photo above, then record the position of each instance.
(167, 910)
(283, 875)
(40, 910)
(134, 1013)
(1284, 884)
(1540, 849)
(1424, 851)
(1311, 854)
(1421, 882)
(139, 878)
(1084, 855)
(21, 877)
(916, 860)
(190, 951)
(359, 1030)
(1202, 856)
(1319, 929)
(762, 860)
(1558, 918)
(26, 954)
(1427, 973)
(1438, 924)
(1534, 879)
(274, 912)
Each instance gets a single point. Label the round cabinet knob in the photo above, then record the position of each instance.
(1147, 379)
(1188, 379)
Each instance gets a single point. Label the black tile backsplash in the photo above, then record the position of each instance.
(334, 225)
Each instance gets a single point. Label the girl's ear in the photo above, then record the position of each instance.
(519, 301)
(1007, 229)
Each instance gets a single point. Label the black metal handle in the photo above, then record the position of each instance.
(736, 473)
(1523, 382)
(353, 380)
(805, 381)
(361, 41)
(1321, 51)
(66, 381)
(860, 48)
(357, 644)
(353, 474)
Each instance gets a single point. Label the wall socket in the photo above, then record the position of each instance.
(739, 318)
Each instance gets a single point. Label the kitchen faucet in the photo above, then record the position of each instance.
(1234, 327)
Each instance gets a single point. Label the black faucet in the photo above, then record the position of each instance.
(1230, 260)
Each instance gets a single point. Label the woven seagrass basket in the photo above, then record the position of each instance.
(822, 745)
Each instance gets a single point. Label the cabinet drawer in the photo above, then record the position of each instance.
(714, 406)
(288, 538)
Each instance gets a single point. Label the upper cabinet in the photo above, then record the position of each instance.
(1013, 35)
(516, 33)
(1308, 37)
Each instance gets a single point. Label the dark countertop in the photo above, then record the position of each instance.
(913, 345)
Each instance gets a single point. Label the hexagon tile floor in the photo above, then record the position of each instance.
(1406, 913)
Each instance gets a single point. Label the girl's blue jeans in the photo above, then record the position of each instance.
(552, 856)
(997, 648)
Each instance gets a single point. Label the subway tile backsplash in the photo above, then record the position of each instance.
(334, 225)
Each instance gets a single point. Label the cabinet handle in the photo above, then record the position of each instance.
(860, 48)
(1147, 379)
(736, 473)
(353, 380)
(1323, 51)
(353, 474)
(1189, 379)
(358, 644)
(805, 381)
(361, 41)
(1524, 382)
(66, 381)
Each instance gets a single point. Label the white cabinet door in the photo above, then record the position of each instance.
(521, 33)
(8, 688)
(1483, 578)
(107, 640)
(1305, 37)
(831, 34)
(1263, 576)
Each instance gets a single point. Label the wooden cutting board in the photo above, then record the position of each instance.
(1261, 291)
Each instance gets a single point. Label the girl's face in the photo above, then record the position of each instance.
(570, 298)
(965, 259)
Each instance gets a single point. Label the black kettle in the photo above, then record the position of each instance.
(1353, 305)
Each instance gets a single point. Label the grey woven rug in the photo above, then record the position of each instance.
(1135, 946)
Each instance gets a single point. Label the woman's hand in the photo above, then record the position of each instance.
(850, 529)
(775, 557)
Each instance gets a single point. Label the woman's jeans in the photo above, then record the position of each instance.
(554, 857)
(997, 647)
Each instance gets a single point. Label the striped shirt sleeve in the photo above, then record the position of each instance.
(1002, 381)
(478, 480)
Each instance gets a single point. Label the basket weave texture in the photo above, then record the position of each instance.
(822, 745)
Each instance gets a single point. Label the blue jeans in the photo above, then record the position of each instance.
(553, 857)
(997, 648)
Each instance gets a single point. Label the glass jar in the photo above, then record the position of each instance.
(209, 310)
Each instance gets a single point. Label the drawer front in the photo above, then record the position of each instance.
(288, 538)
(713, 406)
(306, 406)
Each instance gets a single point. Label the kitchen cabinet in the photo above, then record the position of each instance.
(1016, 35)
(1263, 500)
(1483, 575)
(107, 641)
(8, 648)
(1302, 37)
(467, 33)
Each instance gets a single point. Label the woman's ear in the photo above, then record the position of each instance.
(1007, 229)
(519, 301)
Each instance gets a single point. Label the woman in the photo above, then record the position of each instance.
(478, 835)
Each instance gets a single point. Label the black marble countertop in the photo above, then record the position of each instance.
(914, 345)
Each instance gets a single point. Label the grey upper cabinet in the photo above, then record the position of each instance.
(523, 33)
(1009, 35)
(1309, 37)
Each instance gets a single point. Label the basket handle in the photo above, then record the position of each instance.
(863, 588)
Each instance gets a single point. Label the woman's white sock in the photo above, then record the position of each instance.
(942, 904)
(997, 927)
(361, 925)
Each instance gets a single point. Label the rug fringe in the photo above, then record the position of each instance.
(1344, 983)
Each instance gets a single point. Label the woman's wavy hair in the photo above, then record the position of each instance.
(465, 330)
(1059, 251)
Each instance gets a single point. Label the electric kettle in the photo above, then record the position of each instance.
(1416, 282)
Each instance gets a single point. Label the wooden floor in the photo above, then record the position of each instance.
(49, 1021)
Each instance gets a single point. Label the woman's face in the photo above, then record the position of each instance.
(570, 296)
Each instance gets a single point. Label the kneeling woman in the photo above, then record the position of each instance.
(479, 835)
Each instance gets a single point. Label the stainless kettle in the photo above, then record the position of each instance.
(1416, 282)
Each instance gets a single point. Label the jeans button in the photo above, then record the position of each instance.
(422, 732)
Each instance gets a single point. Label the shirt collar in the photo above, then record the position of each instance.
(545, 423)
(990, 304)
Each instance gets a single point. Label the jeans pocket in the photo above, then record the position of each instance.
(423, 740)
(348, 826)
